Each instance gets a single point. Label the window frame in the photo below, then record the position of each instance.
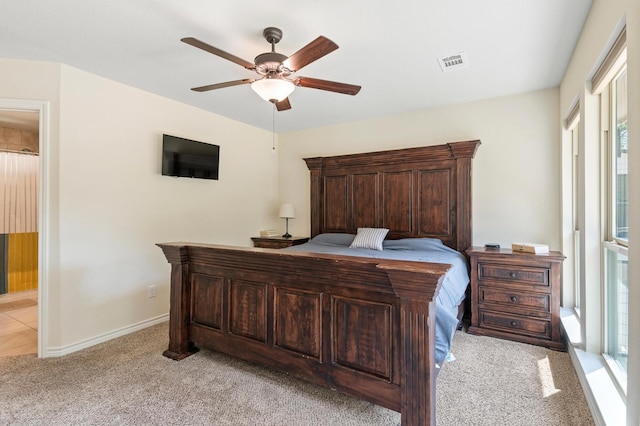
(572, 126)
(611, 162)
(610, 242)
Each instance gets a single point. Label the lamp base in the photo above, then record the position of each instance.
(286, 230)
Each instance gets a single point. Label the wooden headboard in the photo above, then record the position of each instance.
(414, 192)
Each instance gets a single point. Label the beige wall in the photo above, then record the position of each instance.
(516, 172)
(109, 204)
(115, 204)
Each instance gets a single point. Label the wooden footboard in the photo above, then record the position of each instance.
(365, 327)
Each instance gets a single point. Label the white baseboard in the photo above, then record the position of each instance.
(53, 352)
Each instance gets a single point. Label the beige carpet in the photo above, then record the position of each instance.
(128, 382)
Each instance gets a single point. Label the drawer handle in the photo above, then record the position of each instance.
(514, 323)
(512, 274)
(514, 299)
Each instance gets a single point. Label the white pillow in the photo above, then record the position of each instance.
(369, 238)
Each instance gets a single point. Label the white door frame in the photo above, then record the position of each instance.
(42, 108)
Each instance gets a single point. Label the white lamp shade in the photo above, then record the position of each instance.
(286, 211)
(271, 89)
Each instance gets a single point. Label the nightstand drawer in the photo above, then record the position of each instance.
(514, 299)
(520, 275)
(515, 324)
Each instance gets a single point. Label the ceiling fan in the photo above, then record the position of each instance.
(276, 81)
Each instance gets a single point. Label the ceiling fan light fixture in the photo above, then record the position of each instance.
(273, 89)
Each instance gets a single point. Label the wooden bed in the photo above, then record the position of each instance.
(362, 326)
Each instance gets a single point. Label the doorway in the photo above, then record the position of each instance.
(19, 170)
(23, 262)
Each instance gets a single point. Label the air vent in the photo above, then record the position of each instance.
(453, 62)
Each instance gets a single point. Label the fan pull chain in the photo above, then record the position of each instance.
(273, 127)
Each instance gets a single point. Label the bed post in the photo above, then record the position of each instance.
(180, 299)
(417, 335)
(463, 152)
(315, 169)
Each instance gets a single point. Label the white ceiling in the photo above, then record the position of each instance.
(389, 48)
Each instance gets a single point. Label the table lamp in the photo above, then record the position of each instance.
(286, 212)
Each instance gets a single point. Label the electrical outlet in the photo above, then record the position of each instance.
(151, 291)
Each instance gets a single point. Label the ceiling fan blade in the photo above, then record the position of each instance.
(221, 53)
(311, 52)
(332, 86)
(283, 105)
(222, 85)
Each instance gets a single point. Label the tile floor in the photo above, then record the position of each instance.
(19, 323)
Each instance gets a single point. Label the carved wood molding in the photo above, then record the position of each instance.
(448, 151)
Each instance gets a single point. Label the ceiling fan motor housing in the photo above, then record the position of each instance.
(270, 63)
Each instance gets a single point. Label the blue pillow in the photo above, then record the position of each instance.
(334, 239)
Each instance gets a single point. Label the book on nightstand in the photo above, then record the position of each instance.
(530, 248)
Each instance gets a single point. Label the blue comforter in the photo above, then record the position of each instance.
(453, 287)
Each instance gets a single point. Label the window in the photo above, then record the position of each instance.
(610, 83)
(572, 123)
(617, 307)
(595, 231)
(616, 261)
(619, 166)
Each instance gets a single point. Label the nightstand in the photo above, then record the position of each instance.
(278, 242)
(516, 296)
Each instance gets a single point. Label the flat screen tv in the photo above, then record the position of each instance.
(188, 158)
